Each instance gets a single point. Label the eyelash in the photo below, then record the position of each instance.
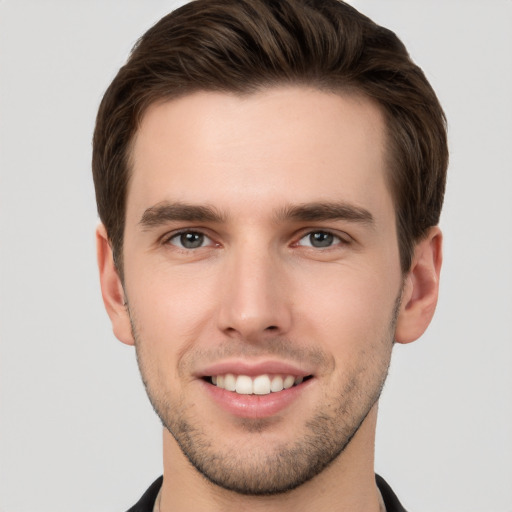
(337, 239)
(167, 239)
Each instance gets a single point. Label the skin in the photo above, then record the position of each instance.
(256, 290)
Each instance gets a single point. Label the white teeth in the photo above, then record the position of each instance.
(289, 381)
(244, 385)
(230, 382)
(276, 384)
(259, 385)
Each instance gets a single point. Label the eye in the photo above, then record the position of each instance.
(190, 240)
(320, 240)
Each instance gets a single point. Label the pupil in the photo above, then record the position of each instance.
(321, 239)
(191, 240)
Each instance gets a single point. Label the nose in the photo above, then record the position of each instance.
(255, 296)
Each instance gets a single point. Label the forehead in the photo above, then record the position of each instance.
(279, 145)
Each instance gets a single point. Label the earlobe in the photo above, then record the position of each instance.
(421, 288)
(112, 289)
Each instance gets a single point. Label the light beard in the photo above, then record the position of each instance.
(246, 471)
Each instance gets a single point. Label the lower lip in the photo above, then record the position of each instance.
(255, 406)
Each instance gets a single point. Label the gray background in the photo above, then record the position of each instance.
(76, 431)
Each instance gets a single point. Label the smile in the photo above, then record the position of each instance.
(258, 385)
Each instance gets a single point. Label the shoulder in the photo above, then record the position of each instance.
(390, 499)
(147, 501)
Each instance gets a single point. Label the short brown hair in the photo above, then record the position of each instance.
(242, 46)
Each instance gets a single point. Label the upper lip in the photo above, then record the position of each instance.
(253, 368)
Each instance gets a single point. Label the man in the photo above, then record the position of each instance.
(269, 177)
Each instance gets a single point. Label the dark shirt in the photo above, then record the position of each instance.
(147, 502)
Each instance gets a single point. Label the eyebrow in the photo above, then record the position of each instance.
(163, 212)
(321, 211)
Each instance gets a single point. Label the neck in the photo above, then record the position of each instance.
(347, 484)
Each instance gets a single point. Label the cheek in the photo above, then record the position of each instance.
(169, 308)
(351, 309)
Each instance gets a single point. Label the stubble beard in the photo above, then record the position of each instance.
(245, 471)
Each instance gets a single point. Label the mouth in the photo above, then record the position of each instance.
(264, 384)
(256, 389)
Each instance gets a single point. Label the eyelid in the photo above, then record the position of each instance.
(343, 238)
(166, 239)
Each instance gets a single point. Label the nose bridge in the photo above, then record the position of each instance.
(254, 297)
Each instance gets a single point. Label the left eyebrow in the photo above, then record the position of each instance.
(312, 212)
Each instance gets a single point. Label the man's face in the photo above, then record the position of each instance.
(260, 250)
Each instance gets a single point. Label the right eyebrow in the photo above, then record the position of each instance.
(165, 211)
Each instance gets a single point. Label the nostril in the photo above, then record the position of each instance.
(271, 328)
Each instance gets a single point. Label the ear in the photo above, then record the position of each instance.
(112, 289)
(421, 288)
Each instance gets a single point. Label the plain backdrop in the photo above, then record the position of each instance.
(76, 430)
